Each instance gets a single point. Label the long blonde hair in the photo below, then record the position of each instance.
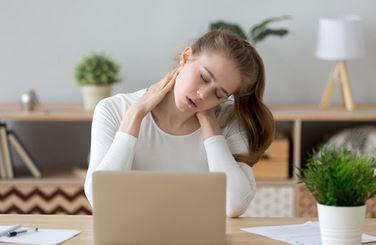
(248, 99)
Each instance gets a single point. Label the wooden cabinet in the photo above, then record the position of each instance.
(305, 126)
(275, 162)
(44, 196)
(58, 191)
(303, 123)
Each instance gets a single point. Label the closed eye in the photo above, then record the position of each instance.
(219, 97)
(202, 77)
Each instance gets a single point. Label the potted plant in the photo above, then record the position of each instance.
(257, 32)
(341, 183)
(95, 74)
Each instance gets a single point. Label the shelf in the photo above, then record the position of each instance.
(294, 120)
(49, 176)
(54, 175)
(63, 111)
(48, 112)
(363, 112)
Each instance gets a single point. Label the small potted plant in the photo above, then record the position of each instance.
(341, 183)
(95, 74)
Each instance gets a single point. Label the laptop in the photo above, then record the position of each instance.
(144, 207)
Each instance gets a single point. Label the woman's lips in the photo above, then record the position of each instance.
(191, 103)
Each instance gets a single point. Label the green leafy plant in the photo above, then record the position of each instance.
(97, 69)
(337, 178)
(257, 33)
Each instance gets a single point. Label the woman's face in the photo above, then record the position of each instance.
(204, 81)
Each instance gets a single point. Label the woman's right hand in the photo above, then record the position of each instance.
(155, 94)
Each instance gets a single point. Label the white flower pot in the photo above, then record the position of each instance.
(341, 225)
(92, 94)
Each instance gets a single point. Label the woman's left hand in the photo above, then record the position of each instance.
(209, 123)
(201, 115)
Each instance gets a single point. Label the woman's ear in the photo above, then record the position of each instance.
(185, 55)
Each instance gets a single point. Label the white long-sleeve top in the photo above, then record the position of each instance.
(157, 150)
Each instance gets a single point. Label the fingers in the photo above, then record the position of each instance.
(165, 84)
(161, 83)
(166, 79)
(171, 75)
(170, 83)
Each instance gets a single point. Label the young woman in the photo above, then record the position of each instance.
(205, 115)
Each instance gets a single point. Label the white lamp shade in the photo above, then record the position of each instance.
(340, 38)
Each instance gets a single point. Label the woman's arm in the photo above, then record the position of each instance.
(241, 185)
(113, 142)
(131, 122)
(111, 147)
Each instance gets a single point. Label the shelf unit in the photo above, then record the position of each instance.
(59, 191)
(297, 115)
(305, 126)
(290, 119)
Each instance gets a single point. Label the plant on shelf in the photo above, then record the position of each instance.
(341, 183)
(257, 32)
(95, 74)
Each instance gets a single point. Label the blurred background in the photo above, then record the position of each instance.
(42, 42)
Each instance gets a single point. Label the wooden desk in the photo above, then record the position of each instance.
(84, 224)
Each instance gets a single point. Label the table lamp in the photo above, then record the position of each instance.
(339, 39)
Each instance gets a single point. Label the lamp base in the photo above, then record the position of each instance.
(340, 74)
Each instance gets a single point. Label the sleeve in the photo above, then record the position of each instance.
(110, 149)
(241, 184)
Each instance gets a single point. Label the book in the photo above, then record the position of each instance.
(24, 155)
(7, 160)
(2, 164)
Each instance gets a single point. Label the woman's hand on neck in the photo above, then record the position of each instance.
(153, 96)
(209, 124)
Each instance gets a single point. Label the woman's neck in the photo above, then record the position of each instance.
(168, 114)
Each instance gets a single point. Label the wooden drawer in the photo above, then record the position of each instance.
(278, 150)
(274, 164)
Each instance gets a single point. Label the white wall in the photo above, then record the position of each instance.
(42, 40)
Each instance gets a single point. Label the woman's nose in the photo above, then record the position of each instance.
(204, 92)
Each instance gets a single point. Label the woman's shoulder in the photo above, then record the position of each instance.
(121, 101)
(114, 107)
(127, 99)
